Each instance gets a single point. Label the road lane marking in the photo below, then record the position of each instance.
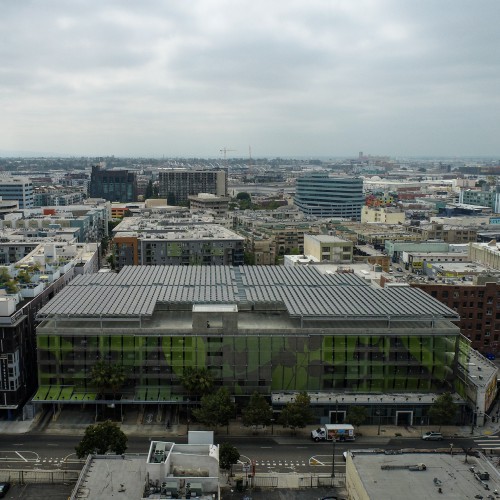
(20, 456)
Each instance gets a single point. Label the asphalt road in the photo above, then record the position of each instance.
(46, 451)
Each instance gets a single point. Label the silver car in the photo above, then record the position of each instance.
(432, 436)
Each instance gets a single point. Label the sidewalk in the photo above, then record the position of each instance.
(365, 433)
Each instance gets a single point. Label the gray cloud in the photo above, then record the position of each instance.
(288, 77)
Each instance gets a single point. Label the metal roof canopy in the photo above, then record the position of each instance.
(306, 292)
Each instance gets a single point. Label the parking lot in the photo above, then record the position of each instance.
(40, 491)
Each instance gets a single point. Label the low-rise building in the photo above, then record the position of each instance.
(323, 247)
(445, 232)
(384, 215)
(219, 205)
(170, 470)
(372, 475)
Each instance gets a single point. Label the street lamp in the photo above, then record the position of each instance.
(378, 415)
(333, 457)
(474, 415)
(188, 415)
(272, 427)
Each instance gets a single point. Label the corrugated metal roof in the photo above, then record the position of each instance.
(305, 291)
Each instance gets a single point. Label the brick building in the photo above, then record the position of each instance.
(478, 305)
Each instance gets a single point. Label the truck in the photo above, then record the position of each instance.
(339, 432)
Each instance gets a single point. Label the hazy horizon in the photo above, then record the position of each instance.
(287, 78)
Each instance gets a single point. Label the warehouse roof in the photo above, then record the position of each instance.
(304, 291)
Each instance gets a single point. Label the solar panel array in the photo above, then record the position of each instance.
(305, 291)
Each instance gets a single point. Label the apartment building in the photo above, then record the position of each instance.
(18, 189)
(176, 185)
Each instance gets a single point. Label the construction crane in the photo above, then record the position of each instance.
(225, 151)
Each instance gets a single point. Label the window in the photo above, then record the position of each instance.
(444, 294)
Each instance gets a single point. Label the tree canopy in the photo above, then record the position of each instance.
(228, 455)
(297, 414)
(107, 377)
(243, 195)
(101, 439)
(356, 415)
(443, 410)
(258, 411)
(197, 381)
(216, 409)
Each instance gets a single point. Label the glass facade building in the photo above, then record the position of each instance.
(269, 329)
(320, 195)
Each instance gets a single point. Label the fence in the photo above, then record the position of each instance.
(19, 476)
(296, 481)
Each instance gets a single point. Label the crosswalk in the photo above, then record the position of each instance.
(281, 463)
(488, 443)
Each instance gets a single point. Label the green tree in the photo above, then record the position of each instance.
(111, 260)
(171, 200)
(228, 455)
(107, 377)
(258, 411)
(243, 196)
(197, 381)
(297, 414)
(249, 258)
(102, 438)
(443, 410)
(216, 409)
(149, 190)
(356, 415)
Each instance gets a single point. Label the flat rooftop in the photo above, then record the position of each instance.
(390, 477)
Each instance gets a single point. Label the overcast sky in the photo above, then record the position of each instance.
(286, 77)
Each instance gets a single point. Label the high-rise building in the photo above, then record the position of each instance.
(177, 185)
(19, 189)
(113, 185)
(320, 195)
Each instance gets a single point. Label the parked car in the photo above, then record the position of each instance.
(432, 436)
(4, 488)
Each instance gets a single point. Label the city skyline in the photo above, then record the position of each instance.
(322, 79)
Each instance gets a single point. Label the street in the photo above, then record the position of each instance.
(278, 454)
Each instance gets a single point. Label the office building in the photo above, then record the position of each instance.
(320, 195)
(485, 197)
(18, 189)
(113, 185)
(176, 185)
(271, 329)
